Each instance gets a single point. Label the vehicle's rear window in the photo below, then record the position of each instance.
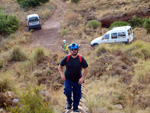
(114, 35)
(33, 19)
(121, 35)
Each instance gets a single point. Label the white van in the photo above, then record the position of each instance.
(33, 21)
(118, 34)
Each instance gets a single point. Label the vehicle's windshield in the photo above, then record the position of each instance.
(106, 36)
(33, 19)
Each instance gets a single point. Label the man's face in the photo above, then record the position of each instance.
(74, 52)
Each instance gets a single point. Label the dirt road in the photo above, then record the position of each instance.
(48, 36)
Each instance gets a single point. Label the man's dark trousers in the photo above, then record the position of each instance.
(76, 89)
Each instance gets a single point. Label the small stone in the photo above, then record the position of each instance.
(118, 106)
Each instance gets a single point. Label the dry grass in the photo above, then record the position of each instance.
(71, 18)
(141, 34)
(128, 82)
(107, 93)
(58, 100)
(142, 73)
(7, 82)
(103, 8)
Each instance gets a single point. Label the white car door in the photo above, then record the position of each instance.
(113, 37)
(121, 37)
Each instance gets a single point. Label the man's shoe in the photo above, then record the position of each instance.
(69, 106)
(76, 110)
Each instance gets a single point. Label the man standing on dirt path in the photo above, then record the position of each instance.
(73, 77)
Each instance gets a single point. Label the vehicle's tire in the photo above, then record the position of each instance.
(95, 45)
(28, 29)
(40, 27)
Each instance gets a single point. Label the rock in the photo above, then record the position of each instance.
(2, 110)
(118, 106)
(15, 102)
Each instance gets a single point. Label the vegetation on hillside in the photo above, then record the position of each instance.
(8, 24)
(31, 3)
(31, 101)
(118, 24)
(118, 79)
(120, 76)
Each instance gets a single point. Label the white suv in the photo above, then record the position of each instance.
(33, 21)
(118, 34)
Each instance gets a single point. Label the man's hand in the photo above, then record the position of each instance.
(81, 80)
(61, 72)
(63, 77)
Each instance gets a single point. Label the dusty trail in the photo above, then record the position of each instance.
(48, 36)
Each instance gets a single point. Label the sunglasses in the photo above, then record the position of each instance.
(74, 49)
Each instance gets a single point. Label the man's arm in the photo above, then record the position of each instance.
(83, 76)
(60, 68)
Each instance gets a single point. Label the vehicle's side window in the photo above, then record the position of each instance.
(114, 35)
(121, 35)
(106, 36)
(128, 32)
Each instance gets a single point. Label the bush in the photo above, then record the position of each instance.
(6, 83)
(31, 3)
(17, 55)
(38, 54)
(31, 102)
(136, 22)
(74, 1)
(146, 25)
(118, 23)
(8, 24)
(93, 23)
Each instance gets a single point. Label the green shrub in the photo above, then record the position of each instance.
(136, 22)
(93, 23)
(118, 23)
(74, 1)
(6, 83)
(17, 55)
(31, 102)
(38, 54)
(8, 24)
(146, 25)
(31, 3)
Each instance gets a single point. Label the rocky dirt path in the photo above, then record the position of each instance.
(48, 36)
(82, 107)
